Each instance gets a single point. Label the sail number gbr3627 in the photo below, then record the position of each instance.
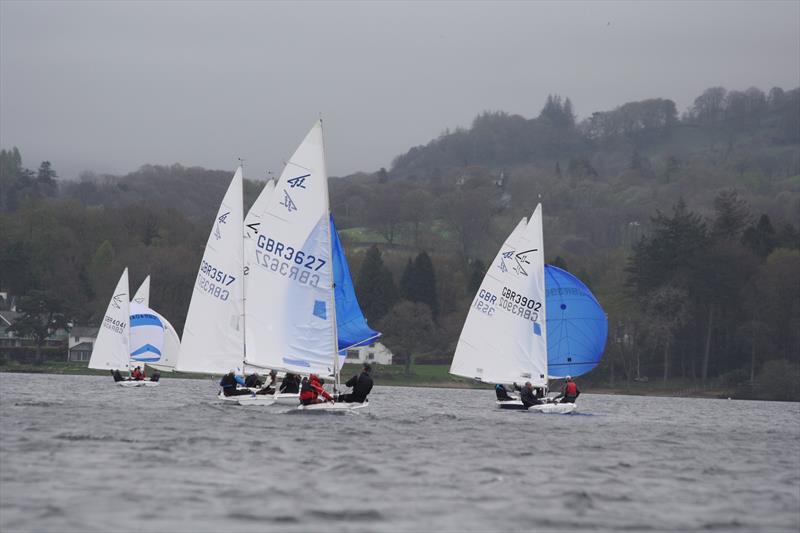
(285, 260)
(511, 301)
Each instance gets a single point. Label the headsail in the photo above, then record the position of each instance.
(111, 350)
(290, 311)
(351, 326)
(496, 345)
(577, 326)
(213, 337)
(142, 296)
(172, 345)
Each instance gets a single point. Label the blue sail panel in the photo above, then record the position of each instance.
(577, 326)
(351, 325)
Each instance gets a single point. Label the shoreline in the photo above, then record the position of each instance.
(423, 376)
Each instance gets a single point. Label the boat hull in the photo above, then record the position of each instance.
(333, 407)
(547, 408)
(130, 384)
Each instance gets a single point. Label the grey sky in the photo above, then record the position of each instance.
(109, 86)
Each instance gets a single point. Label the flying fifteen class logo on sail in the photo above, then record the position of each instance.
(298, 182)
(521, 260)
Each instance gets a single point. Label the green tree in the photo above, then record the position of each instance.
(43, 313)
(418, 283)
(732, 215)
(408, 329)
(376, 289)
(760, 238)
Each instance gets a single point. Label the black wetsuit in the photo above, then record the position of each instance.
(253, 381)
(362, 385)
(117, 376)
(228, 384)
(502, 393)
(528, 397)
(290, 384)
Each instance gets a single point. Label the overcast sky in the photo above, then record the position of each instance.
(109, 86)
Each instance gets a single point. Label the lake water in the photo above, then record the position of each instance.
(78, 453)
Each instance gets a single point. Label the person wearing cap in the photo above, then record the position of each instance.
(229, 382)
(570, 391)
(311, 391)
(361, 385)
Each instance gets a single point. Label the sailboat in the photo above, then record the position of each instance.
(302, 313)
(153, 340)
(111, 350)
(504, 339)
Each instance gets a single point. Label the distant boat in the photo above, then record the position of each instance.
(302, 313)
(154, 341)
(505, 336)
(111, 350)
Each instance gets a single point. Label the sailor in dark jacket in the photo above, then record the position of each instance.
(528, 396)
(290, 384)
(361, 384)
(229, 382)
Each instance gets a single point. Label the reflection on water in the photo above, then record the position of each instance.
(79, 454)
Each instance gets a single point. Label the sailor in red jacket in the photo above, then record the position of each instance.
(137, 374)
(570, 391)
(311, 390)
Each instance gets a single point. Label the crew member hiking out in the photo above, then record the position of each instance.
(502, 393)
(528, 396)
(229, 382)
(311, 390)
(290, 384)
(361, 384)
(570, 391)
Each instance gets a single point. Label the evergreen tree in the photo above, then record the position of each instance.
(422, 283)
(477, 272)
(376, 289)
(732, 215)
(760, 239)
(407, 282)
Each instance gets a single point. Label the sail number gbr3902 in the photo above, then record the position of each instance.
(511, 301)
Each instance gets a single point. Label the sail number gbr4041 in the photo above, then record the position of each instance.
(287, 261)
(511, 301)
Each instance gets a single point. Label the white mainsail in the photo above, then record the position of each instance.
(213, 337)
(111, 349)
(142, 296)
(291, 313)
(504, 337)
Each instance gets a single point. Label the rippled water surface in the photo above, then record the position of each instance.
(80, 454)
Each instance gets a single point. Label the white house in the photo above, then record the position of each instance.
(375, 353)
(81, 342)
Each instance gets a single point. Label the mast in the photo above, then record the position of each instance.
(244, 283)
(336, 377)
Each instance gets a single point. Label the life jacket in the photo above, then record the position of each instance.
(571, 389)
(308, 392)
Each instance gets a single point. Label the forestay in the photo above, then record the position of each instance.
(504, 336)
(111, 349)
(213, 337)
(290, 312)
(577, 326)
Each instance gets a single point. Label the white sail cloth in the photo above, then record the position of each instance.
(504, 339)
(290, 307)
(213, 337)
(112, 347)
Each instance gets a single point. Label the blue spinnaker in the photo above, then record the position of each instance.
(351, 325)
(577, 327)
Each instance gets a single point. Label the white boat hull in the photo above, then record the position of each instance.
(137, 383)
(333, 407)
(553, 408)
